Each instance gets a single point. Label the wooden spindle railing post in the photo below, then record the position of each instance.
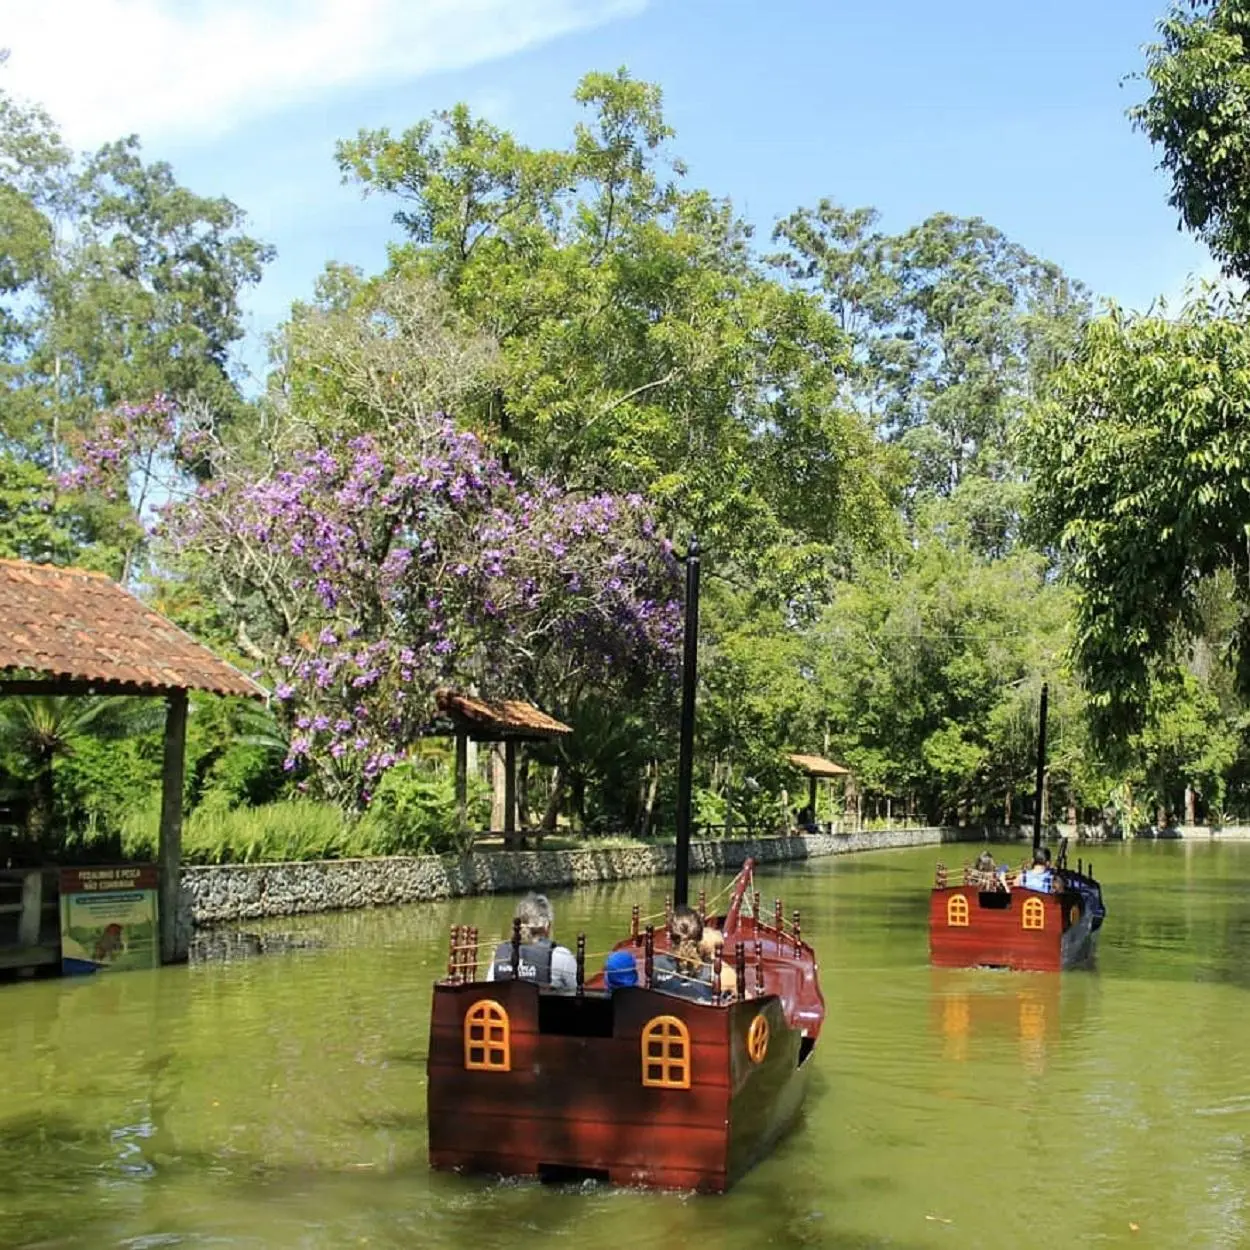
(668, 916)
(634, 931)
(451, 953)
(779, 920)
(798, 941)
(759, 967)
(648, 954)
(581, 964)
(740, 967)
(474, 945)
(516, 948)
(702, 904)
(716, 975)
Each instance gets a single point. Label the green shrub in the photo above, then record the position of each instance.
(413, 812)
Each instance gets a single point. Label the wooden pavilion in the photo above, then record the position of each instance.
(506, 721)
(73, 632)
(817, 768)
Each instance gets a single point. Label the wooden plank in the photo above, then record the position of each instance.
(577, 1059)
(598, 1143)
(628, 1101)
(172, 772)
(32, 909)
(29, 957)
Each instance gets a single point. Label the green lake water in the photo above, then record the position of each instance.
(279, 1101)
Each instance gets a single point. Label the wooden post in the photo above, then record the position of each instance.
(28, 921)
(462, 781)
(170, 856)
(811, 796)
(509, 791)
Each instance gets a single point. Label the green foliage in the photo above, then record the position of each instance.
(641, 346)
(1198, 114)
(413, 812)
(1141, 479)
(929, 677)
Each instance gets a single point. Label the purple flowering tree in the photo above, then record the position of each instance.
(362, 577)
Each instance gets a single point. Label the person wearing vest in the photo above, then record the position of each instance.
(1039, 876)
(541, 959)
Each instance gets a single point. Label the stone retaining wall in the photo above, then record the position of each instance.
(231, 892)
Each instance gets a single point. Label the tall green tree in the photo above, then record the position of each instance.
(641, 346)
(1198, 115)
(1140, 468)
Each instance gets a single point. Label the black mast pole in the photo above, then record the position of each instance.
(685, 756)
(1041, 770)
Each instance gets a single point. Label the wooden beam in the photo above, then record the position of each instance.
(462, 782)
(29, 922)
(509, 790)
(170, 859)
(76, 686)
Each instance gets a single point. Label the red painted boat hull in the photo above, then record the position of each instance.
(574, 1106)
(992, 929)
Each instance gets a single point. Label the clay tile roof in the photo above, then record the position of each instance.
(818, 766)
(80, 626)
(493, 720)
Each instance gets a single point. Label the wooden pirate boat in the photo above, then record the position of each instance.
(994, 919)
(641, 1084)
(634, 1086)
(989, 919)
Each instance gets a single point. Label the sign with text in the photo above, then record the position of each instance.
(109, 918)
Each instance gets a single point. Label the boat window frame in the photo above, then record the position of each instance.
(669, 1068)
(958, 913)
(495, 1042)
(1033, 915)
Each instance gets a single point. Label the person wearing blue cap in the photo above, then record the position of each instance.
(620, 970)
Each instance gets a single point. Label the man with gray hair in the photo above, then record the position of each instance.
(541, 959)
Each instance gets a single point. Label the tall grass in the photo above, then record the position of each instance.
(289, 830)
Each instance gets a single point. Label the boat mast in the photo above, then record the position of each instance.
(685, 754)
(1041, 770)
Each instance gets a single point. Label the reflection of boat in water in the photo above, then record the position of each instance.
(990, 919)
(641, 1084)
(974, 1020)
(1042, 919)
(633, 1086)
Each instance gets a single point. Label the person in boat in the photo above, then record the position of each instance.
(680, 970)
(620, 969)
(711, 941)
(541, 959)
(1039, 876)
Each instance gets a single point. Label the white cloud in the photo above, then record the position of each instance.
(200, 68)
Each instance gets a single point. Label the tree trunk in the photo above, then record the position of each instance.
(523, 791)
(648, 803)
(1190, 796)
(552, 812)
(577, 784)
(41, 812)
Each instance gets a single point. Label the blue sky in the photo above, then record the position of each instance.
(1014, 113)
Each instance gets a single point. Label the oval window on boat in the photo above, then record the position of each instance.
(666, 1053)
(957, 911)
(1033, 914)
(757, 1039)
(487, 1038)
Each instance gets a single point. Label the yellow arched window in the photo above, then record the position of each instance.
(666, 1053)
(957, 911)
(487, 1038)
(1033, 916)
